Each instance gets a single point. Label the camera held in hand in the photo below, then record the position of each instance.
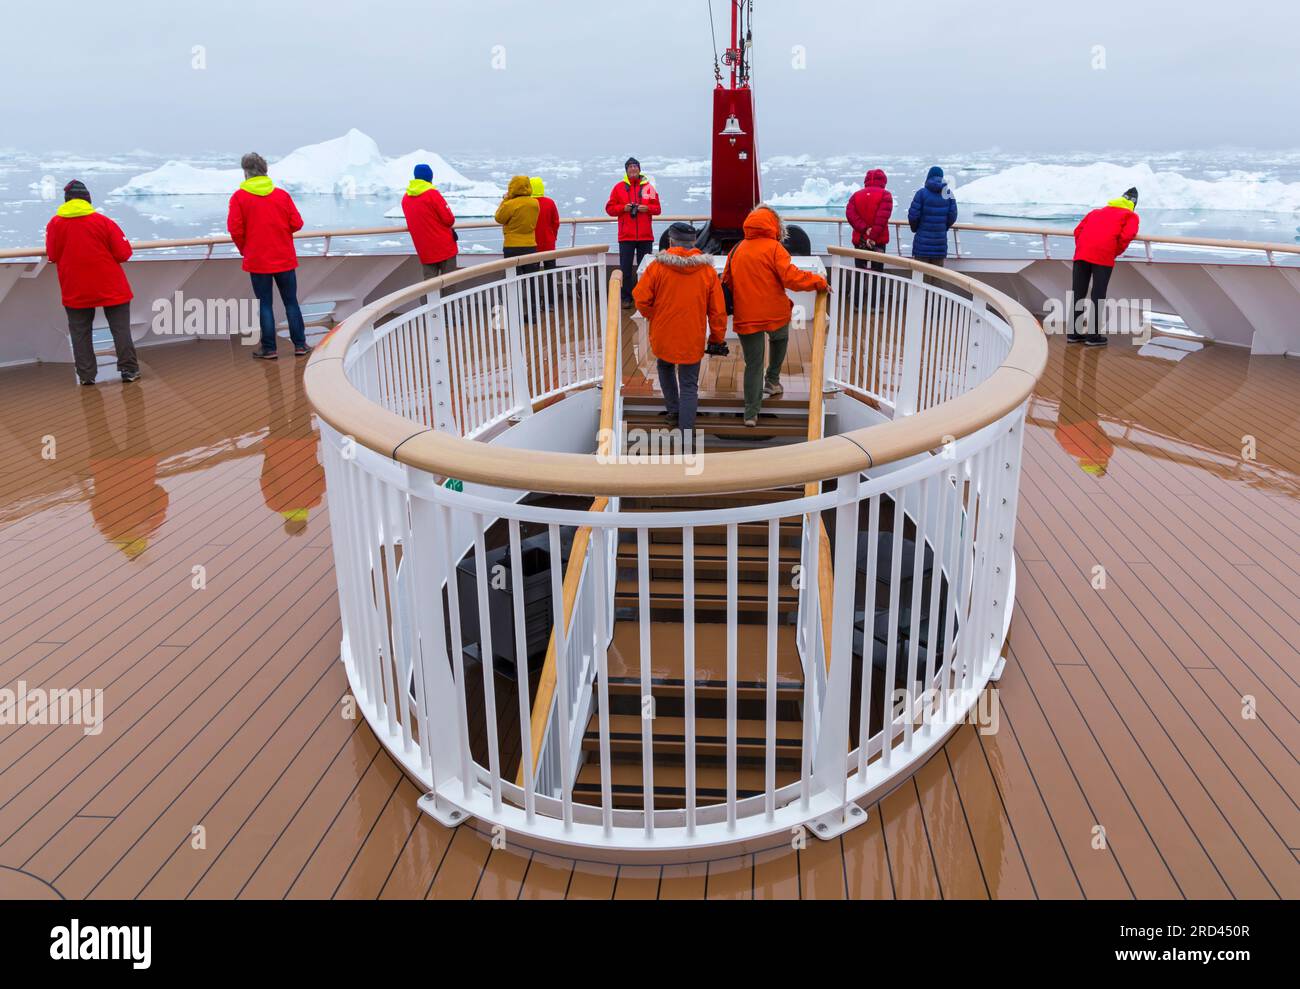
(717, 349)
(634, 208)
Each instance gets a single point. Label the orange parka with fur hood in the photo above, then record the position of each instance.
(681, 297)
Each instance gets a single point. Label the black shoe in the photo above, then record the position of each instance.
(265, 355)
(302, 351)
(1096, 340)
(85, 382)
(1076, 338)
(129, 376)
(672, 422)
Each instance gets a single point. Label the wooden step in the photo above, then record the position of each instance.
(710, 737)
(642, 405)
(665, 551)
(747, 534)
(731, 425)
(667, 664)
(751, 595)
(749, 569)
(626, 783)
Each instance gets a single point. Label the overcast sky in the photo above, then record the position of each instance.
(586, 76)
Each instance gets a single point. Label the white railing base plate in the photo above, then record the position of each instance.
(446, 814)
(832, 825)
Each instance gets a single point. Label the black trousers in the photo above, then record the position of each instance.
(1090, 282)
(514, 252)
(83, 346)
(630, 253)
(873, 265)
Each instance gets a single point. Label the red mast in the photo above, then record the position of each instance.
(735, 156)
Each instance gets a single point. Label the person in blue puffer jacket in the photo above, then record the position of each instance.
(933, 211)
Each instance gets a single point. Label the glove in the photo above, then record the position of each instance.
(717, 349)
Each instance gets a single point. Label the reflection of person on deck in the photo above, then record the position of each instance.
(1078, 427)
(293, 481)
(126, 502)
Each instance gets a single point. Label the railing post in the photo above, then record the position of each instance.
(1007, 469)
(832, 319)
(520, 393)
(438, 716)
(439, 356)
(830, 759)
(909, 384)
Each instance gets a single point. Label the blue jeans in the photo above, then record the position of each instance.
(287, 283)
(681, 385)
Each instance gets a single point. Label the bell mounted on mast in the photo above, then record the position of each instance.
(735, 182)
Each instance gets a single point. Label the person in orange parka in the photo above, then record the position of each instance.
(548, 219)
(88, 249)
(759, 272)
(681, 297)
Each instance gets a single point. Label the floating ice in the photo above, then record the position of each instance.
(815, 192)
(350, 165)
(1087, 186)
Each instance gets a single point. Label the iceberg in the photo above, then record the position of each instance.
(815, 192)
(351, 165)
(1088, 186)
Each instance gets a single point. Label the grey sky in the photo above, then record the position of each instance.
(585, 76)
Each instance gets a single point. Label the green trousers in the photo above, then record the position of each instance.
(764, 355)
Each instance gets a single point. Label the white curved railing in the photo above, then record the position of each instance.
(424, 598)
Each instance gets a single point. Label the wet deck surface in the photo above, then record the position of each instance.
(1162, 708)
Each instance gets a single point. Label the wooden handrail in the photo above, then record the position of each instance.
(339, 403)
(816, 396)
(1256, 246)
(582, 538)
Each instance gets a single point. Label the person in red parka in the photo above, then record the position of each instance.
(431, 224)
(1101, 237)
(868, 213)
(87, 249)
(548, 219)
(262, 221)
(635, 202)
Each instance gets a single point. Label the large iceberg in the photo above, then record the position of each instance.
(816, 192)
(351, 165)
(1086, 186)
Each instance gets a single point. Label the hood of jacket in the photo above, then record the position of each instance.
(1122, 203)
(684, 259)
(538, 186)
(258, 185)
(934, 180)
(763, 221)
(418, 187)
(876, 179)
(74, 208)
(519, 186)
(640, 179)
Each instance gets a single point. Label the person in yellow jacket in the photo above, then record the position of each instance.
(517, 215)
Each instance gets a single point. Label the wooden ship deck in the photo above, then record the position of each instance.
(1162, 708)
